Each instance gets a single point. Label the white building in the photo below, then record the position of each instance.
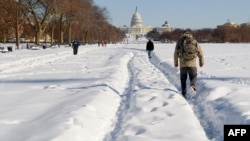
(137, 29)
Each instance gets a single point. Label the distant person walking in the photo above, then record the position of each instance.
(186, 51)
(150, 48)
(75, 46)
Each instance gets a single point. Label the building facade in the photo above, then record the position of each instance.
(137, 29)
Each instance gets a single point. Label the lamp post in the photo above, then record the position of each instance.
(17, 27)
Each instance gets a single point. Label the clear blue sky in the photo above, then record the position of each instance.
(195, 14)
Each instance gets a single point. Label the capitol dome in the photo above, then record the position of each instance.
(136, 19)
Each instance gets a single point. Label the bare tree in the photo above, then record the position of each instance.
(6, 23)
(39, 14)
(62, 19)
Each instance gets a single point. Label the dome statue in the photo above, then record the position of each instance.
(136, 19)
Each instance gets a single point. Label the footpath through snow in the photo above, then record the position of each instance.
(111, 94)
(116, 93)
(154, 110)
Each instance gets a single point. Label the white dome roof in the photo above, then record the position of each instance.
(136, 19)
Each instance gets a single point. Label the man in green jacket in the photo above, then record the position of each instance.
(186, 51)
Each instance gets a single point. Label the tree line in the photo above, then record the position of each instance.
(56, 21)
(220, 34)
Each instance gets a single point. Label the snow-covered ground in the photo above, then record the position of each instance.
(116, 93)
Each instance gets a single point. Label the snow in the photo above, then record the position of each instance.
(116, 93)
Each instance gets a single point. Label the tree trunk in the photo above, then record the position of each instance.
(61, 37)
(69, 32)
(52, 37)
(38, 36)
(4, 38)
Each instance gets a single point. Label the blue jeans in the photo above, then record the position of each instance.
(149, 53)
(75, 50)
(190, 72)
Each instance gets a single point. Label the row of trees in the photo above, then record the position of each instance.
(218, 35)
(59, 20)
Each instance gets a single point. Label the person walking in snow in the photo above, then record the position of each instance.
(150, 48)
(186, 51)
(75, 46)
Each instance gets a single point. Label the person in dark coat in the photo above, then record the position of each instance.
(149, 47)
(75, 46)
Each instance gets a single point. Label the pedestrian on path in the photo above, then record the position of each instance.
(75, 46)
(150, 48)
(186, 51)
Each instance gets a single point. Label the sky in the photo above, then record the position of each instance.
(116, 93)
(194, 14)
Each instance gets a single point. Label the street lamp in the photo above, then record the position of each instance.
(17, 27)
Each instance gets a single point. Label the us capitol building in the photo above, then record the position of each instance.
(137, 29)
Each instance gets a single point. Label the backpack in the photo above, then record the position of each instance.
(188, 48)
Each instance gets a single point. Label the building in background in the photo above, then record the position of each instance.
(137, 29)
(229, 24)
